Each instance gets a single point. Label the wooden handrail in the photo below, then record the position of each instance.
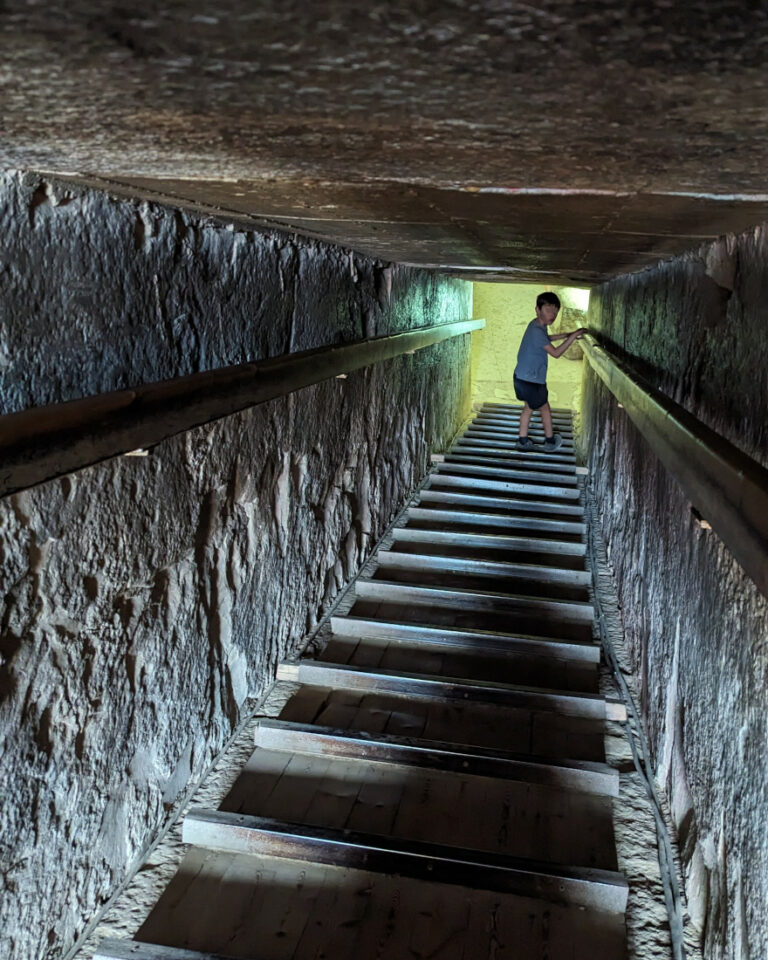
(46, 442)
(728, 488)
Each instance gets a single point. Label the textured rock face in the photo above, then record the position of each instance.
(148, 599)
(696, 624)
(473, 91)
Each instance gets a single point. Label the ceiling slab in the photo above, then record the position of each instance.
(505, 235)
(575, 138)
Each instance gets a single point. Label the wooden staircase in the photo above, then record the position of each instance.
(437, 785)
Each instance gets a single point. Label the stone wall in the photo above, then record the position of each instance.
(148, 599)
(697, 626)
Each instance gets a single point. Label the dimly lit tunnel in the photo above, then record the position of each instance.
(303, 653)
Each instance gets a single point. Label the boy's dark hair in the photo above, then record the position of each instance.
(548, 297)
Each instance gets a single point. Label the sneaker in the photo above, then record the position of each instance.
(524, 443)
(553, 443)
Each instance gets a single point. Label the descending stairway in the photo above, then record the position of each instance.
(436, 787)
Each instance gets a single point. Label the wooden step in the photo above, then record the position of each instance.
(501, 570)
(579, 775)
(482, 642)
(511, 436)
(464, 517)
(514, 409)
(488, 416)
(512, 413)
(457, 465)
(437, 863)
(450, 478)
(320, 673)
(567, 611)
(490, 542)
(464, 450)
(298, 910)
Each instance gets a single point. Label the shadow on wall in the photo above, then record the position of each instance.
(507, 309)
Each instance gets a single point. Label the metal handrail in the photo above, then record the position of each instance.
(42, 443)
(726, 486)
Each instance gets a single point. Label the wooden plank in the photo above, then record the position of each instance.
(491, 452)
(488, 541)
(564, 702)
(497, 433)
(535, 422)
(482, 495)
(514, 413)
(49, 441)
(462, 515)
(453, 477)
(114, 949)
(508, 452)
(513, 409)
(445, 638)
(260, 836)
(512, 424)
(501, 460)
(567, 611)
(565, 774)
(493, 569)
(453, 465)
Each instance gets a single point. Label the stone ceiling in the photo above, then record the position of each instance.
(559, 140)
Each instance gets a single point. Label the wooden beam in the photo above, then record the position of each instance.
(113, 949)
(321, 673)
(443, 475)
(488, 541)
(46, 442)
(506, 471)
(565, 611)
(478, 642)
(460, 515)
(432, 862)
(511, 455)
(583, 776)
(429, 564)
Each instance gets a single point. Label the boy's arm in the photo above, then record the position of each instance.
(569, 339)
(562, 336)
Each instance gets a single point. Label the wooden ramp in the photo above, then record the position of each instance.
(437, 785)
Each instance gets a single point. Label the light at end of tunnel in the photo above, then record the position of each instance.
(341, 376)
(620, 406)
(137, 453)
(578, 297)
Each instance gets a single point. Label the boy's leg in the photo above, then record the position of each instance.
(552, 440)
(525, 419)
(546, 419)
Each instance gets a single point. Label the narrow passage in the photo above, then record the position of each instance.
(437, 786)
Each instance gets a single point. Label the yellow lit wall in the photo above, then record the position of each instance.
(507, 309)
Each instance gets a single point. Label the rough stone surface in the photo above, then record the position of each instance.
(480, 91)
(148, 599)
(563, 141)
(696, 625)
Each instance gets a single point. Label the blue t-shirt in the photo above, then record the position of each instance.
(532, 357)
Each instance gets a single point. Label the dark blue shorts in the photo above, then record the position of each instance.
(534, 394)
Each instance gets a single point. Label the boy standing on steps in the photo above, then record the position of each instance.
(530, 376)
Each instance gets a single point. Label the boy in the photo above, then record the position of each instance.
(530, 376)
